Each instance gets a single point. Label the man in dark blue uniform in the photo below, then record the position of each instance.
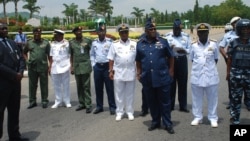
(155, 72)
(12, 65)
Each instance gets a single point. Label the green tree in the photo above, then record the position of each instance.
(4, 2)
(16, 10)
(196, 11)
(31, 6)
(71, 12)
(138, 13)
(56, 21)
(101, 7)
(155, 14)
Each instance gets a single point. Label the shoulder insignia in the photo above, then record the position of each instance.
(184, 34)
(116, 41)
(213, 40)
(134, 40)
(194, 42)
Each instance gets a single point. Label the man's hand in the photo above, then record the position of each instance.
(19, 77)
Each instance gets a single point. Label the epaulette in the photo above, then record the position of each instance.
(162, 37)
(116, 41)
(194, 42)
(213, 40)
(96, 39)
(134, 40)
(170, 33)
(185, 34)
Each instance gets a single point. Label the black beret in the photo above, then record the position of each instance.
(37, 29)
(77, 28)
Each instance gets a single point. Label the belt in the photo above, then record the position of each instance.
(103, 64)
(180, 56)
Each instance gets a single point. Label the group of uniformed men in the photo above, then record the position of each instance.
(159, 63)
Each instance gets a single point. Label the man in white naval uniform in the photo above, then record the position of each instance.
(204, 55)
(122, 70)
(59, 69)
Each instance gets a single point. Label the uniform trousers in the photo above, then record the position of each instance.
(10, 95)
(83, 90)
(101, 77)
(61, 87)
(159, 102)
(144, 105)
(180, 78)
(240, 84)
(33, 80)
(124, 96)
(211, 93)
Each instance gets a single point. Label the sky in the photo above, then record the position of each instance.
(52, 8)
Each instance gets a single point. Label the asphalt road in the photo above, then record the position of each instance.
(65, 124)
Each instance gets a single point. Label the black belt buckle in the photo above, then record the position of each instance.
(102, 64)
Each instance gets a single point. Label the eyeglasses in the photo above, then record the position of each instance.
(151, 29)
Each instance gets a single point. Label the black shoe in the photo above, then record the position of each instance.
(248, 108)
(45, 106)
(80, 108)
(184, 110)
(19, 139)
(88, 110)
(32, 105)
(228, 106)
(143, 113)
(153, 127)
(112, 112)
(170, 129)
(98, 111)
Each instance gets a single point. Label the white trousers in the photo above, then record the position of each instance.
(61, 87)
(124, 96)
(211, 93)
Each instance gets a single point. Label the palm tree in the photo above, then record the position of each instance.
(16, 10)
(31, 6)
(70, 11)
(138, 13)
(101, 7)
(155, 13)
(4, 2)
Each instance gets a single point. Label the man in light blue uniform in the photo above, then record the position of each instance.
(224, 43)
(155, 72)
(180, 43)
(100, 63)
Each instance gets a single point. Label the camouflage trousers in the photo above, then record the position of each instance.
(240, 83)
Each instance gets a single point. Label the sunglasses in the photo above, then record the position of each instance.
(151, 29)
(124, 32)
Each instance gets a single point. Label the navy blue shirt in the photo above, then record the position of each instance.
(153, 57)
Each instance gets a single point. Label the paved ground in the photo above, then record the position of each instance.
(64, 124)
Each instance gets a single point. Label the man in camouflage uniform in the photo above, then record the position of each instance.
(81, 67)
(238, 68)
(39, 50)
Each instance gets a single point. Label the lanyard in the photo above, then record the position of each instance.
(6, 44)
